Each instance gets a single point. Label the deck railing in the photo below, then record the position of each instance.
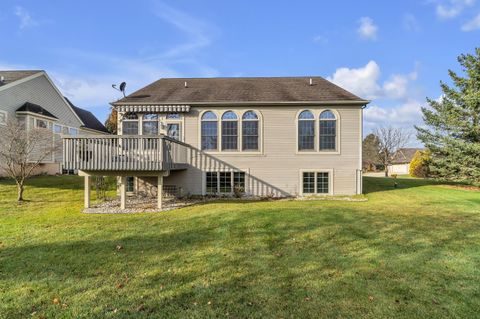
(123, 153)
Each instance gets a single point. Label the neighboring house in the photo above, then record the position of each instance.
(32, 98)
(266, 136)
(401, 160)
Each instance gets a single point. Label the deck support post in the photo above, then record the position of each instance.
(160, 192)
(123, 192)
(87, 179)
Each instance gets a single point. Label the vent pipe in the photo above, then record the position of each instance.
(186, 84)
(311, 82)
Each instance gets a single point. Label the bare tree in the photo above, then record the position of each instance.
(390, 139)
(22, 151)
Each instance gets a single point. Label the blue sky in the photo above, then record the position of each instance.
(392, 52)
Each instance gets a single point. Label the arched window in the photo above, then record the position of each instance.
(130, 124)
(250, 131)
(209, 131)
(328, 131)
(306, 131)
(229, 131)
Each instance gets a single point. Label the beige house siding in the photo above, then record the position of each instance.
(276, 168)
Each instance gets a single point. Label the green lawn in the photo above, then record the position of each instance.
(410, 252)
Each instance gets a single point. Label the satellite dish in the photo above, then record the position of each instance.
(122, 87)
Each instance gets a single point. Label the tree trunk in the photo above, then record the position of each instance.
(20, 192)
(386, 171)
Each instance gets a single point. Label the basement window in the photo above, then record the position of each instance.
(224, 182)
(316, 182)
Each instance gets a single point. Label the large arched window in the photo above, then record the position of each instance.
(250, 131)
(306, 131)
(328, 131)
(130, 124)
(229, 131)
(209, 131)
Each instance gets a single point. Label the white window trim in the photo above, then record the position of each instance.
(6, 117)
(204, 179)
(239, 151)
(316, 113)
(180, 121)
(331, 176)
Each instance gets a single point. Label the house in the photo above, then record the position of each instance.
(401, 160)
(31, 97)
(264, 136)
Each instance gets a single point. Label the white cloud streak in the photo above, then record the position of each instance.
(452, 8)
(26, 20)
(472, 25)
(364, 82)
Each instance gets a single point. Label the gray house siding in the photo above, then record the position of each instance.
(39, 91)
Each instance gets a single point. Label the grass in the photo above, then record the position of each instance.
(410, 252)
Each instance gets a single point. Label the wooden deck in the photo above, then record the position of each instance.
(117, 153)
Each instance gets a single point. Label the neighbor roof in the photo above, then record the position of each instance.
(251, 89)
(12, 76)
(35, 108)
(404, 155)
(89, 120)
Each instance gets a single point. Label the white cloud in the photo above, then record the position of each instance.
(407, 113)
(364, 82)
(199, 34)
(397, 86)
(472, 25)
(26, 20)
(361, 81)
(367, 29)
(452, 8)
(410, 23)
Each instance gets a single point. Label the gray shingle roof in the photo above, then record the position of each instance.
(88, 118)
(35, 108)
(12, 76)
(404, 155)
(251, 89)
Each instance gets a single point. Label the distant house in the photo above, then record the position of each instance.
(31, 98)
(401, 160)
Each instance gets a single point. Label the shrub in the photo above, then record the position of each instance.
(419, 164)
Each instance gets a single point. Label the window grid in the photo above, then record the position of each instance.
(229, 135)
(229, 131)
(211, 182)
(327, 131)
(130, 127)
(225, 182)
(129, 187)
(308, 182)
(173, 130)
(322, 183)
(250, 131)
(209, 133)
(239, 180)
(306, 135)
(316, 182)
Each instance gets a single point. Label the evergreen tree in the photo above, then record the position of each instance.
(452, 124)
(371, 152)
